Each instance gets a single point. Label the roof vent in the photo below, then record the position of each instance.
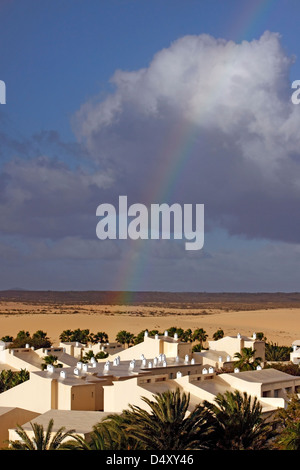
(85, 367)
(228, 358)
(238, 336)
(79, 365)
(155, 361)
(131, 365)
(166, 333)
(156, 336)
(211, 370)
(178, 375)
(106, 366)
(177, 359)
(175, 335)
(193, 361)
(76, 371)
(27, 346)
(144, 362)
(164, 363)
(186, 358)
(50, 368)
(258, 368)
(204, 370)
(146, 334)
(236, 370)
(62, 374)
(150, 365)
(220, 359)
(254, 335)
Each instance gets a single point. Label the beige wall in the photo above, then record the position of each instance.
(233, 345)
(9, 358)
(120, 395)
(33, 395)
(10, 419)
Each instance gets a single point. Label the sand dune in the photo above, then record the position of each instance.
(280, 325)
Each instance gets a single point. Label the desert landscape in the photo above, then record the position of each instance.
(276, 315)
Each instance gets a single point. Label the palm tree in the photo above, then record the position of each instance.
(219, 334)
(200, 335)
(238, 422)
(125, 337)
(246, 359)
(41, 439)
(100, 337)
(168, 425)
(288, 423)
(66, 336)
(277, 353)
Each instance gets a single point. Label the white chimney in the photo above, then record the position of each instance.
(177, 359)
(146, 334)
(85, 367)
(193, 361)
(220, 359)
(258, 368)
(164, 363)
(211, 370)
(50, 368)
(178, 375)
(155, 361)
(62, 374)
(204, 370)
(156, 336)
(166, 333)
(238, 336)
(76, 371)
(186, 358)
(236, 370)
(228, 358)
(79, 365)
(175, 335)
(254, 335)
(150, 365)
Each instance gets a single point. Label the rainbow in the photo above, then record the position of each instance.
(174, 156)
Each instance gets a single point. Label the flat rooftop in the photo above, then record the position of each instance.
(264, 376)
(81, 421)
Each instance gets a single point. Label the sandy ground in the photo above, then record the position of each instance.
(281, 326)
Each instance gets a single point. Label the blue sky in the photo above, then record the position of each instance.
(69, 65)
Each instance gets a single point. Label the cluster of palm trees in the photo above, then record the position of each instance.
(9, 378)
(83, 336)
(39, 339)
(168, 422)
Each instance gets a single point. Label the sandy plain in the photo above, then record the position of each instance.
(279, 325)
